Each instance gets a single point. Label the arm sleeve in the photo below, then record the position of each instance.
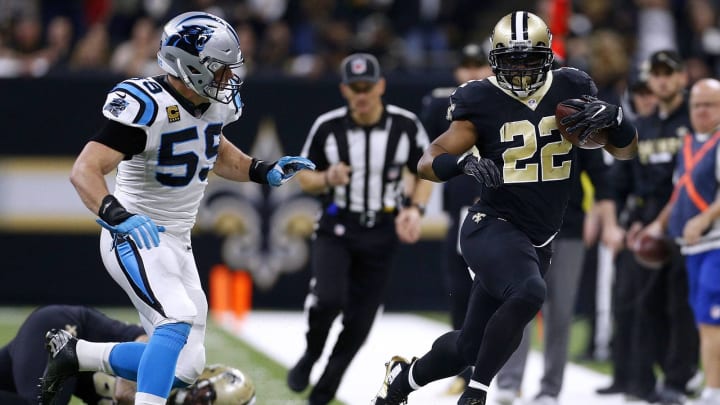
(128, 140)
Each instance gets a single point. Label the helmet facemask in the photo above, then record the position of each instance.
(521, 70)
(222, 91)
(521, 55)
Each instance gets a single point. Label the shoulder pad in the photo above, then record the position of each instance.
(131, 103)
(577, 78)
(464, 98)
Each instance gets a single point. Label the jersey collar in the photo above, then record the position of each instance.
(533, 100)
(196, 110)
(380, 124)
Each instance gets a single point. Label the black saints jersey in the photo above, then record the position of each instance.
(520, 135)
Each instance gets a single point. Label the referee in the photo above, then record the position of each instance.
(369, 203)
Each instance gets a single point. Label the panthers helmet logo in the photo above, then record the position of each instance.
(191, 38)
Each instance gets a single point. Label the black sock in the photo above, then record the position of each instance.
(442, 361)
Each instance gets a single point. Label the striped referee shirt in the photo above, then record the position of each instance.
(376, 155)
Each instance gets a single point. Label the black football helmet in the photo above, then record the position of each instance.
(521, 56)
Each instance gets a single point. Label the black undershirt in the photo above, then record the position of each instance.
(123, 138)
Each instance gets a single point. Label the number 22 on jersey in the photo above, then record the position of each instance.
(545, 170)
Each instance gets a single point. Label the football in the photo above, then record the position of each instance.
(594, 141)
(652, 251)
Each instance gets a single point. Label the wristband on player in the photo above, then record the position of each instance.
(446, 166)
(259, 170)
(112, 212)
(622, 135)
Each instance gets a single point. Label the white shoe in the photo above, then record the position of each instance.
(506, 396)
(703, 401)
(696, 384)
(544, 400)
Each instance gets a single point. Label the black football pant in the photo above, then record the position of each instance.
(507, 292)
(350, 275)
(457, 279)
(665, 331)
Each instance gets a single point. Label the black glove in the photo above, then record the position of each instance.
(483, 170)
(593, 115)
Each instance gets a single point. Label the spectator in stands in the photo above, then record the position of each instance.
(136, 57)
(92, 51)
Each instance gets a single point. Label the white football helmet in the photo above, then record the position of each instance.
(521, 55)
(196, 45)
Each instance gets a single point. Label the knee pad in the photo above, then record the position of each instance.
(532, 290)
(190, 364)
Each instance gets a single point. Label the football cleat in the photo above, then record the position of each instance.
(298, 377)
(471, 401)
(62, 364)
(390, 392)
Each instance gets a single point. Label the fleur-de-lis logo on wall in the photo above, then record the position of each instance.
(266, 229)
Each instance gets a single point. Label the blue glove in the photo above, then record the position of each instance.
(287, 167)
(140, 227)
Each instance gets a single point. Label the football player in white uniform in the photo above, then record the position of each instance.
(164, 135)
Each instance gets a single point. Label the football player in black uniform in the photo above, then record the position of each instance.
(526, 170)
(458, 194)
(23, 359)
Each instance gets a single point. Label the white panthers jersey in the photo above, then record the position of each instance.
(167, 180)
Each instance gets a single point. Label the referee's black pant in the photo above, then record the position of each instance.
(351, 267)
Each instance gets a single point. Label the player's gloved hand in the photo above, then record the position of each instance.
(118, 221)
(593, 115)
(287, 167)
(483, 170)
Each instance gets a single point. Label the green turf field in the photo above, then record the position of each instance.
(222, 347)
(269, 376)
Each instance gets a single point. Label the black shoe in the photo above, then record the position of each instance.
(611, 389)
(670, 396)
(471, 401)
(650, 397)
(319, 399)
(62, 364)
(473, 396)
(391, 392)
(298, 377)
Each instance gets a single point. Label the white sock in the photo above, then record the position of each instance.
(94, 356)
(478, 386)
(411, 380)
(143, 398)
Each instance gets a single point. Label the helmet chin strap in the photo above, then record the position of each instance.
(185, 78)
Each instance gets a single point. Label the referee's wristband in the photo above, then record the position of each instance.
(259, 170)
(445, 166)
(623, 135)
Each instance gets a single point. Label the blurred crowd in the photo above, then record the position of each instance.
(308, 38)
